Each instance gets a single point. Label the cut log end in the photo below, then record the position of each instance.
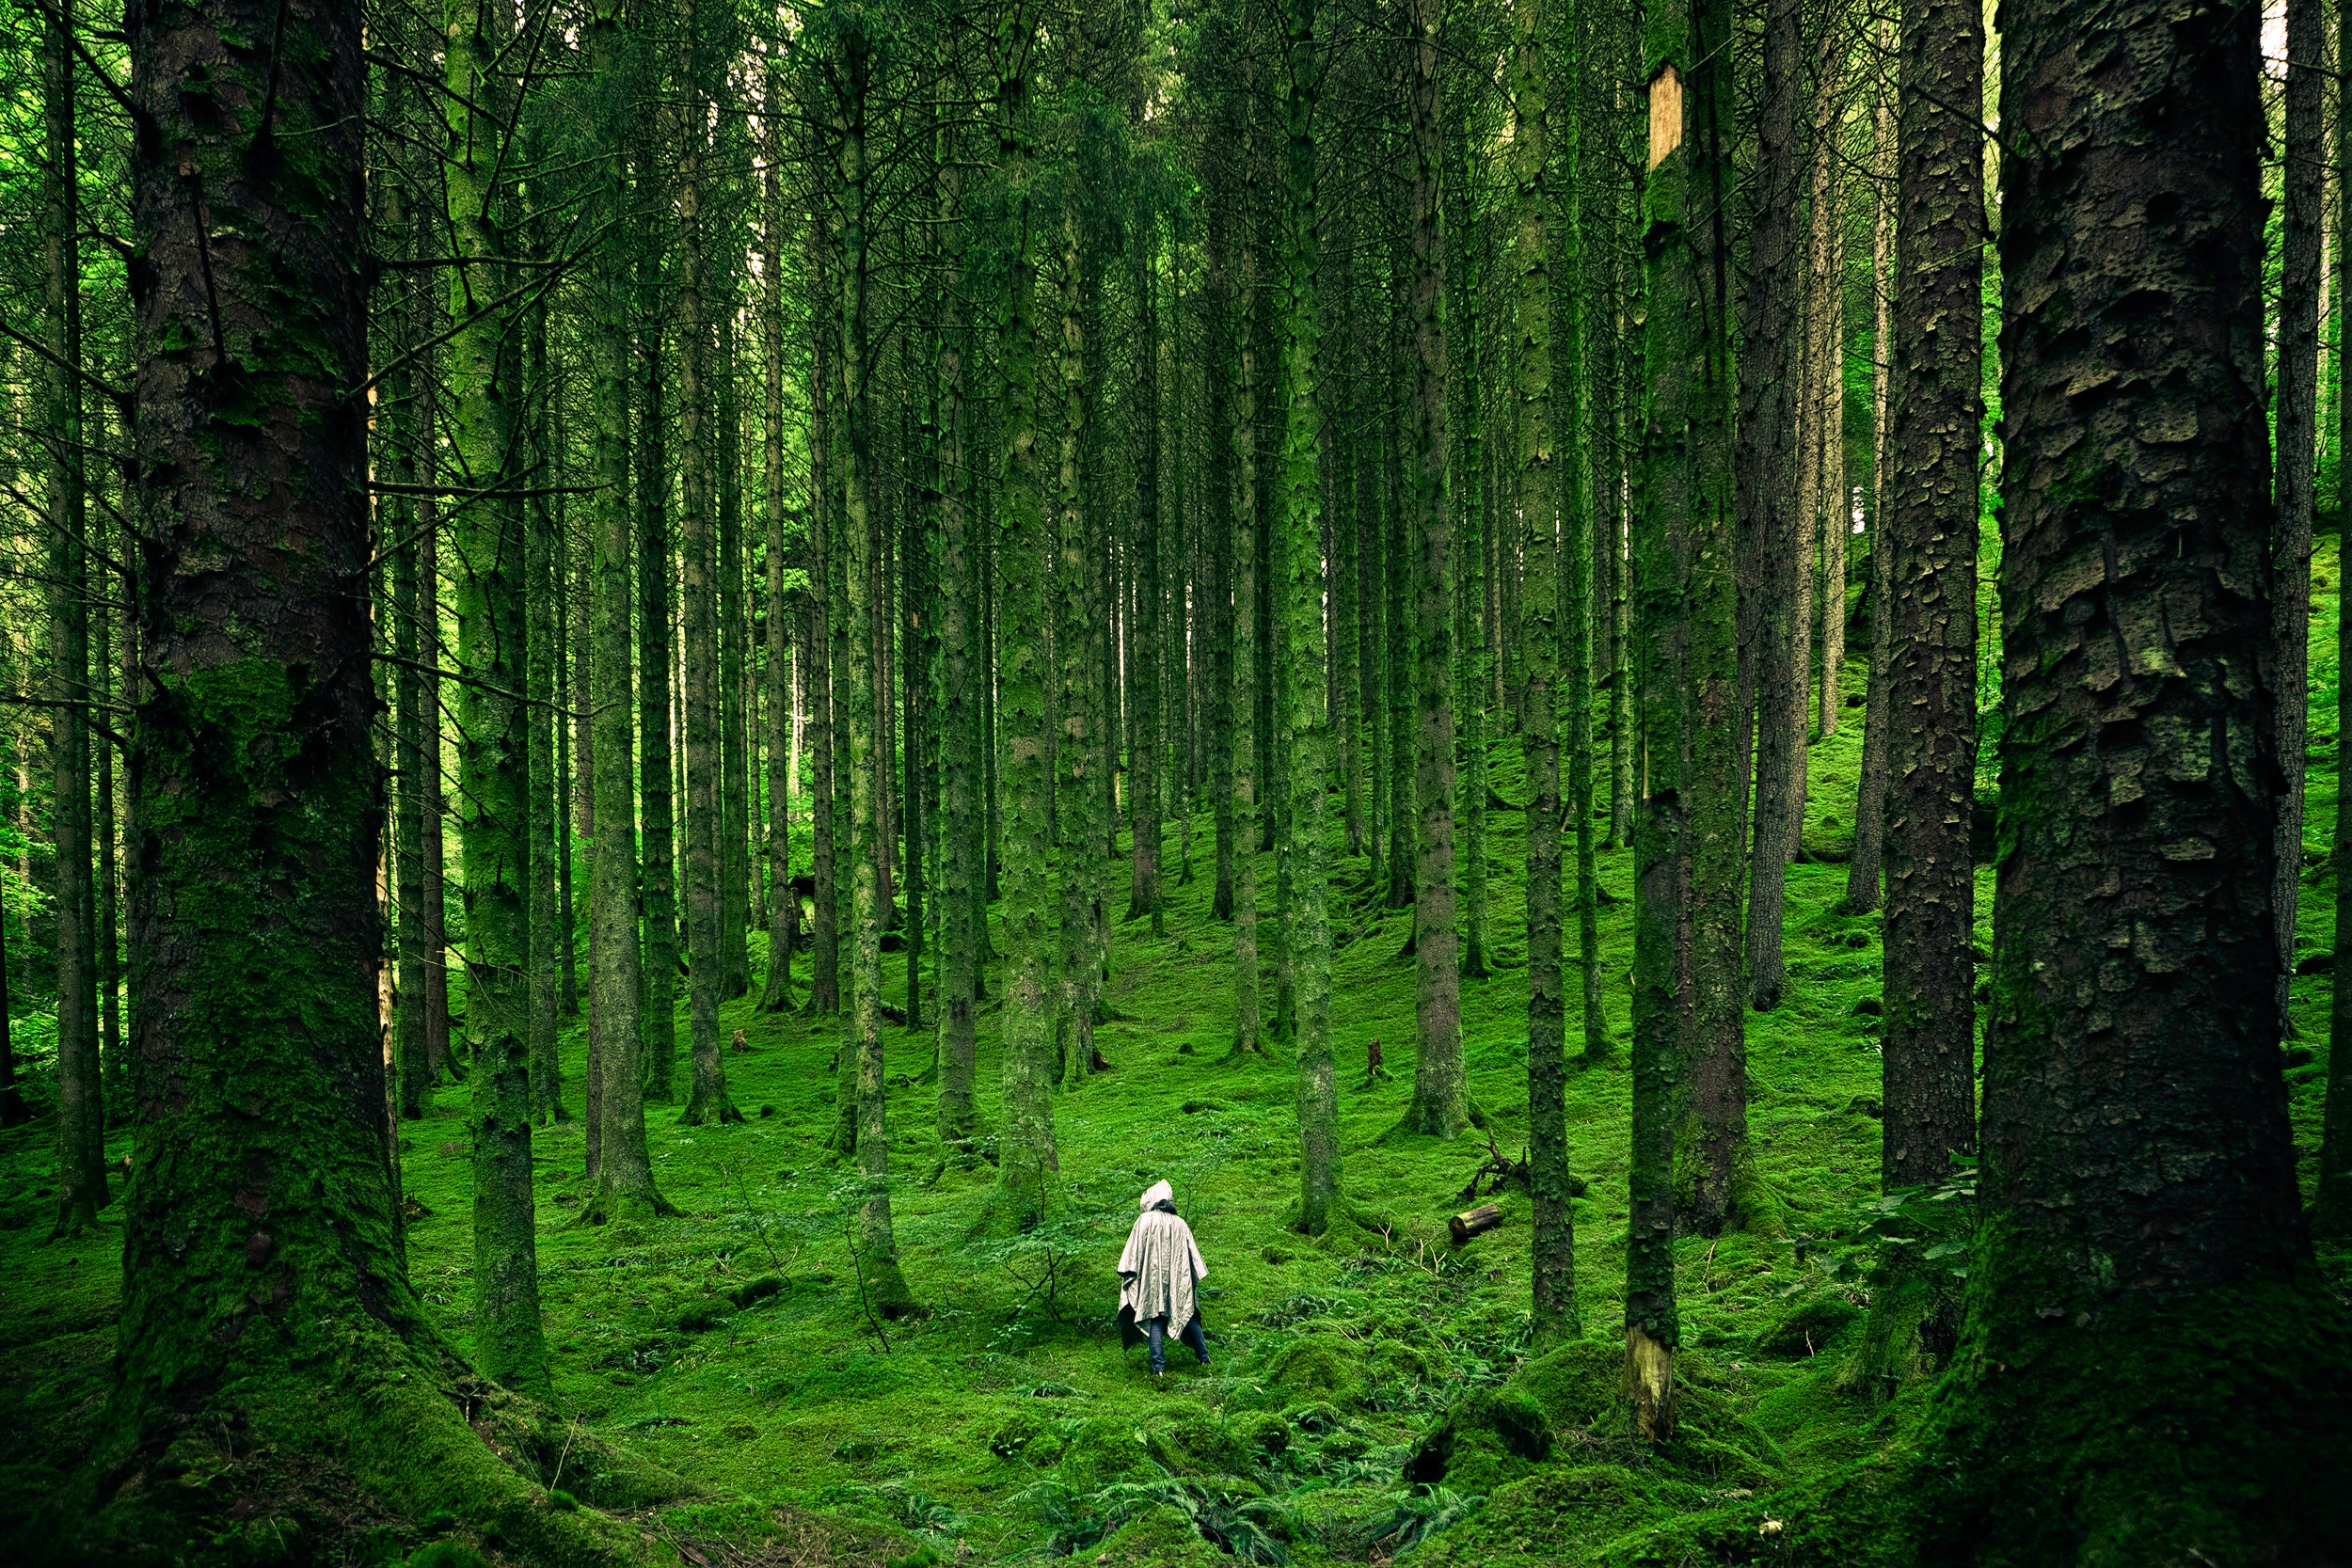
(1474, 1222)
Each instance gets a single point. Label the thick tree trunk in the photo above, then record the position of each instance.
(1440, 1106)
(542, 610)
(1931, 490)
(1468, 622)
(2137, 1184)
(1768, 501)
(1147, 746)
(962, 907)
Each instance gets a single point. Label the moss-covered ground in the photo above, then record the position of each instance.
(1366, 1400)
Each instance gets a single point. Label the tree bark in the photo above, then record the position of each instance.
(658, 1015)
(2304, 176)
(1552, 1249)
(1768, 499)
(1928, 1055)
(1863, 873)
(784, 898)
(1026, 1158)
(81, 1124)
(2331, 1202)
(1440, 1106)
(2137, 1185)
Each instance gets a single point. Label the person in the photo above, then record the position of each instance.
(1158, 1276)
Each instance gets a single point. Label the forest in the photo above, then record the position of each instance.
(684, 684)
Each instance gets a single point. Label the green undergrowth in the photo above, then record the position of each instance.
(1369, 1398)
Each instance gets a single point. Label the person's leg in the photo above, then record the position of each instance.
(1196, 1339)
(1156, 1328)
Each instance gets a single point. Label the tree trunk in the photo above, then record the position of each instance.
(1551, 1252)
(1145, 730)
(1075, 739)
(493, 804)
(824, 995)
(657, 1017)
(1767, 502)
(784, 899)
(1306, 694)
(1026, 1154)
(735, 686)
(1578, 518)
(2331, 1203)
(2304, 176)
(81, 1125)
(544, 825)
(705, 829)
(1863, 873)
(1938, 407)
(963, 666)
(2134, 956)
(1440, 1106)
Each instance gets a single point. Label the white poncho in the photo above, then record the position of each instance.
(1160, 1267)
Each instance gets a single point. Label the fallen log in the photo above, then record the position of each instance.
(1474, 1222)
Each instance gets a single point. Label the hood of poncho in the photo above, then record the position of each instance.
(1159, 1193)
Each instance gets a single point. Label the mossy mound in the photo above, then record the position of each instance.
(1102, 1451)
(1809, 1324)
(1579, 1385)
(1490, 1438)
(1263, 1430)
(1314, 1368)
(1164, 1538)
(1198, 1444)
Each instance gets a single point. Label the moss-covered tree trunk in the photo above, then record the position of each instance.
(1306, 692)
(964, 667)
(1470, 597)
(412, 1063)
(1577, 526)
(701, 596)
(265, 1309)
(1077, 851)
(824, 995)
(543, 611)
(1440, 1106)
(656, 794)
(1147, 746)
(624, 1166)
(1551, 1262)
(1026, 1158)
(1767, 492)
(784, 899)
(2139, 1259)
(81, 1117)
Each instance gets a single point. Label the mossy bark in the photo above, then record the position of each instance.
(963, 662)
(657, 1014)
(1026, 1158)
(1441, 1105)
(2144, 1266)
(1305, 691)
(264, 1295)
(1078, 849)
(544, 825)
(493, 800)
(700, 603)
(1147, 745)
(1553, 1247)
(784, 898)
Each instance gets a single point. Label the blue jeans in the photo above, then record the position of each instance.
(1156, 1329)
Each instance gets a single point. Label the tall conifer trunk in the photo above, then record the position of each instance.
(1441, 1105)
(2130, 1051)
(81, 1125)
(2304, 176)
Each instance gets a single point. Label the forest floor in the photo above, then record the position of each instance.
(730, 1345)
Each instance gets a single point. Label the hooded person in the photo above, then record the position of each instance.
(1157, 1276)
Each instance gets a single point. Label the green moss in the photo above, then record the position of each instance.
(1489, 1438)
(1316, 1368)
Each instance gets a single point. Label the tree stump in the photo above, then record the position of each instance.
(1474, 1222)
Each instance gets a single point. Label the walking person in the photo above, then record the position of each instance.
(1158, 1275)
